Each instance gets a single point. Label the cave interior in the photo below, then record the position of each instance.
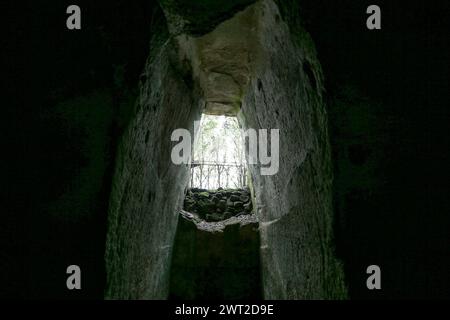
(363, 120)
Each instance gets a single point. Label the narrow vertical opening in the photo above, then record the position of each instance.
(216, 249)
(218, 154)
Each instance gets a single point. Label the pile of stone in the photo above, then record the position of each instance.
(218, 205)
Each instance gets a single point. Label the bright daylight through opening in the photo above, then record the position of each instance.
(218, 154)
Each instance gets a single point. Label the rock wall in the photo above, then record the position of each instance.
(387, 99)
(283, 90)
(387, 103)
(148, 190)
(294, 205)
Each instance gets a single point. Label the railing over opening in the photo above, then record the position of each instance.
(211, 175)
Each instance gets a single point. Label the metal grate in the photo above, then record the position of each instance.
(211, 175)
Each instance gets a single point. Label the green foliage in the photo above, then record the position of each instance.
(204, 194)
(219, 140)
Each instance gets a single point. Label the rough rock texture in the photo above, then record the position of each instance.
(217, 205)
(387, 103)
(199, 17)
(280, 86)
(221, 61)
(216, 265)
(282, 90)
(147, 188)
(218, 226)
(294, 205)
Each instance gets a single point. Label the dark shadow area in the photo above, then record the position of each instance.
(84, 89)
(388, 115)
(216, 250)
(215, 265)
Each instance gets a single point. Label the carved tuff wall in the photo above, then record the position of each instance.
(387, 108)
(147, 188)
(294, 205)
(254, 66)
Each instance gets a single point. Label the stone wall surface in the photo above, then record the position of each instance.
(283, 91)
(148, 188)
(387, 105)
(294, 205)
